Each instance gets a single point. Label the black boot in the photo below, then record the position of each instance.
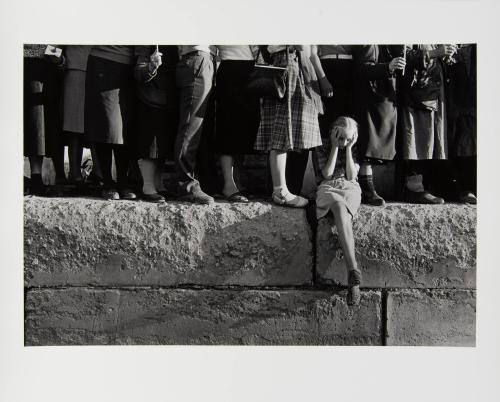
(368, 194)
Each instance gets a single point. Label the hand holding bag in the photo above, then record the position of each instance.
(267, 80)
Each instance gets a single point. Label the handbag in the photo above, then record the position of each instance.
(268, 81)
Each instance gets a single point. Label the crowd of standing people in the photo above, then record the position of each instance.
(146, 104)
(353, 106)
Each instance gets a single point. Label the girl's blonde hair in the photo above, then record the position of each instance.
(344, 124)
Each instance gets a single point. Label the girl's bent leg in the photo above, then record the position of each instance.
(343, 222)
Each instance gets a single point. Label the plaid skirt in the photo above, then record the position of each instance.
(291, 123)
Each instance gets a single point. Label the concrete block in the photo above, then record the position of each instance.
(80, 242)
(77, 316)
(426, 318)
(406, 246)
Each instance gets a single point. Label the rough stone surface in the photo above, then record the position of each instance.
(79, 242)
(407, 246)
(76, 316)
(437, 317)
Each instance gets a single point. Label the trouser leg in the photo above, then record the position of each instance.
(194, 77)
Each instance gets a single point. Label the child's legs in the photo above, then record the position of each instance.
(343, 222)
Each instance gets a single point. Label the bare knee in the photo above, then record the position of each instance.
(339, 210)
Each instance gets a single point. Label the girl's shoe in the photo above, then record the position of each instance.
(353, 295)
(296, 202)
(353, 292)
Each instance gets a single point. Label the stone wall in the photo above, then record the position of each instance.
(99, 272)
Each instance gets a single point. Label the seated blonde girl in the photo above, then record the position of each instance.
(339, 192)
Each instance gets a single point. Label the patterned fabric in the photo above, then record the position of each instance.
(338, 191)
(421, 115)
(320, 157)
(290, 123)
(34, 51)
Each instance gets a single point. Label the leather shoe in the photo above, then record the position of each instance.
(154, 198)
(422, 197)
(127, 194)
(198, 196)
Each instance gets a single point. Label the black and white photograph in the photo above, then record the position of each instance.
(296, 211)
(250, 194)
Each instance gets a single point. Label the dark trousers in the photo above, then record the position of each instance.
(194, 77)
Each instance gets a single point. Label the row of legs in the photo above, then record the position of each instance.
(287, 170)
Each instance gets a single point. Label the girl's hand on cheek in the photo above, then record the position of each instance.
(352, 141)
(334, 140)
